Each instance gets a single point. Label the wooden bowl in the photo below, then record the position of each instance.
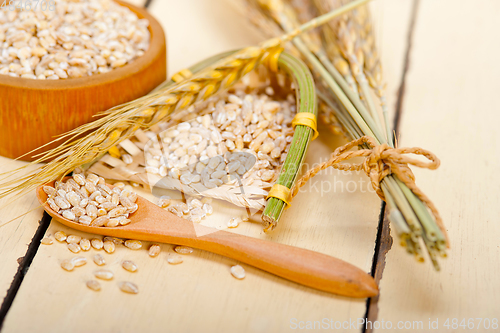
(33, 112)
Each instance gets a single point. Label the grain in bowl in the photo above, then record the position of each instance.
(74, 39)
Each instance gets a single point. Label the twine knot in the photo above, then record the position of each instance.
(379, 162)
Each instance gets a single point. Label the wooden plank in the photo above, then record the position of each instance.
(15, 236)
(337, 216)
(394, 74)
(198, 29)
(202, 285)
(138, 3)
(391, 24)
(449, 108)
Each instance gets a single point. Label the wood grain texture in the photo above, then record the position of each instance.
(330, 223)
(451, 108)
(399, 25)
(198, 29)
(16, 235)
(391, 23)
(58, 106)
(336, 215)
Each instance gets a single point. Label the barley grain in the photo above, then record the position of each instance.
(53, 205)
(183, 249)
(67, 265)
(104, 274)
(79, 179)
(75, 248)
(79, 261)
(128, 287)
(73, 239)
(116, 241)
(175, 260)
(109, 247)
(96, 243)
(49, 190)
(85, 244)
(133, 244)
(234, 222)
(60, 236)
(93, 285)
(129, 265)
(46, 241)
(125, 221)
(154, 250)
(99, 260)
(100, 221)
(62, 202)
(238, 272)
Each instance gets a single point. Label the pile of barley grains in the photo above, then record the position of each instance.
(90, 201)
(193, 210)
(74, 39)
(230, 147)
(244, 135)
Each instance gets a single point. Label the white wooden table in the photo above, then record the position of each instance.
(441, 62)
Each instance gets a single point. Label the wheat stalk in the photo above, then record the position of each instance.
(348, 52)
(119, 123)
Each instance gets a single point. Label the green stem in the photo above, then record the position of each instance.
(306, 102)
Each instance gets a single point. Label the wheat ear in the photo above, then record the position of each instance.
(119, 123)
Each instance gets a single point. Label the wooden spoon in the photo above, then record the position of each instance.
(312, 269)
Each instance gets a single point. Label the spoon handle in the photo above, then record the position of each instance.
(309, 268)
(312, 269)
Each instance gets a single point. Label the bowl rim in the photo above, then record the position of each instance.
(156, 46)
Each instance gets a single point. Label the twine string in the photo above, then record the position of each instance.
(379, 162)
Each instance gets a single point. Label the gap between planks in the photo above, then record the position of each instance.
(25, 261)
(24, 264)
(384, 239)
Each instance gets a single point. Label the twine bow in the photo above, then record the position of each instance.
(380, 161)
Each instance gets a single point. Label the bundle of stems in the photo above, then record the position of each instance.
(87, 142)
(344, 60)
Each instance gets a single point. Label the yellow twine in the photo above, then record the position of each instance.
(280, 192)
(306, 119)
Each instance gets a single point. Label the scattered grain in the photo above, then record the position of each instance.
(73, 247)
(60, 236)
(104, 274)
(133, 244)
(129, 265)
(85, 244)
(99, 259)
(128, 287)
(154, 250)
(79, 261)
(67, 265)
(109, 247)
(175, 260)
(183, 249)
(238, 272)
(73, 239)
(96, 243)
(46, 241)
(93, 285)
